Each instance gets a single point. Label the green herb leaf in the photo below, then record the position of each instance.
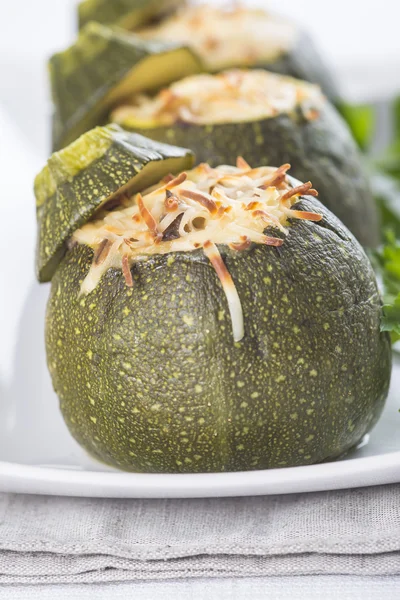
(361, 119)
(389, 162)
(386, 261)
(396, 110)
(384, 174)
(386, 191)
(387, 264)
(391, 319)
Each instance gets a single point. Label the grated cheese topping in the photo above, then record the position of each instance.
(226, 37)
(200, 209)
(231, 96)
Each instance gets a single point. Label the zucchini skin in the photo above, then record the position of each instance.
(100, 61)
(150, 380)
(320, 150)
(124, 13)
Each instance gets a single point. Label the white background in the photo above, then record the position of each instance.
(359, 32)
(358, 38)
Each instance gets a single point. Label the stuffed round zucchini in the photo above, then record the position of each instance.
(222, 37)
(216, 319)
(107, 65)
(243, 36)
(271, 119)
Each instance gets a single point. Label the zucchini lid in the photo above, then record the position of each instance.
(76, 181)
(126, 13)
(104, 66)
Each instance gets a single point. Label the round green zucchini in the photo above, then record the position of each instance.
(150, 379)
(320, 149)
(78, 180)
(129, 14)
(107, 65)
(245, 37)
(103, 66)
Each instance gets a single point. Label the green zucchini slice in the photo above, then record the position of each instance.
(201, 351)
(129, 14)
(78, 180)
(270, 119)
(104, 66)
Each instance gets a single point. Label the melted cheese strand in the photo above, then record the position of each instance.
(97, 270)
(232, 296)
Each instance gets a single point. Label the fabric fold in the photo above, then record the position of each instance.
(77, 540)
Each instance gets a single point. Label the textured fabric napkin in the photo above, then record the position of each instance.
(73, 540)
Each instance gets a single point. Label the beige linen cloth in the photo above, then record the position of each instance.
(82, 540)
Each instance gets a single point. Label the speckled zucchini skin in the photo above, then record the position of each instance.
(84, 77)
(321, 150)
(125, 13)
(149, 378)
(79, 179)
